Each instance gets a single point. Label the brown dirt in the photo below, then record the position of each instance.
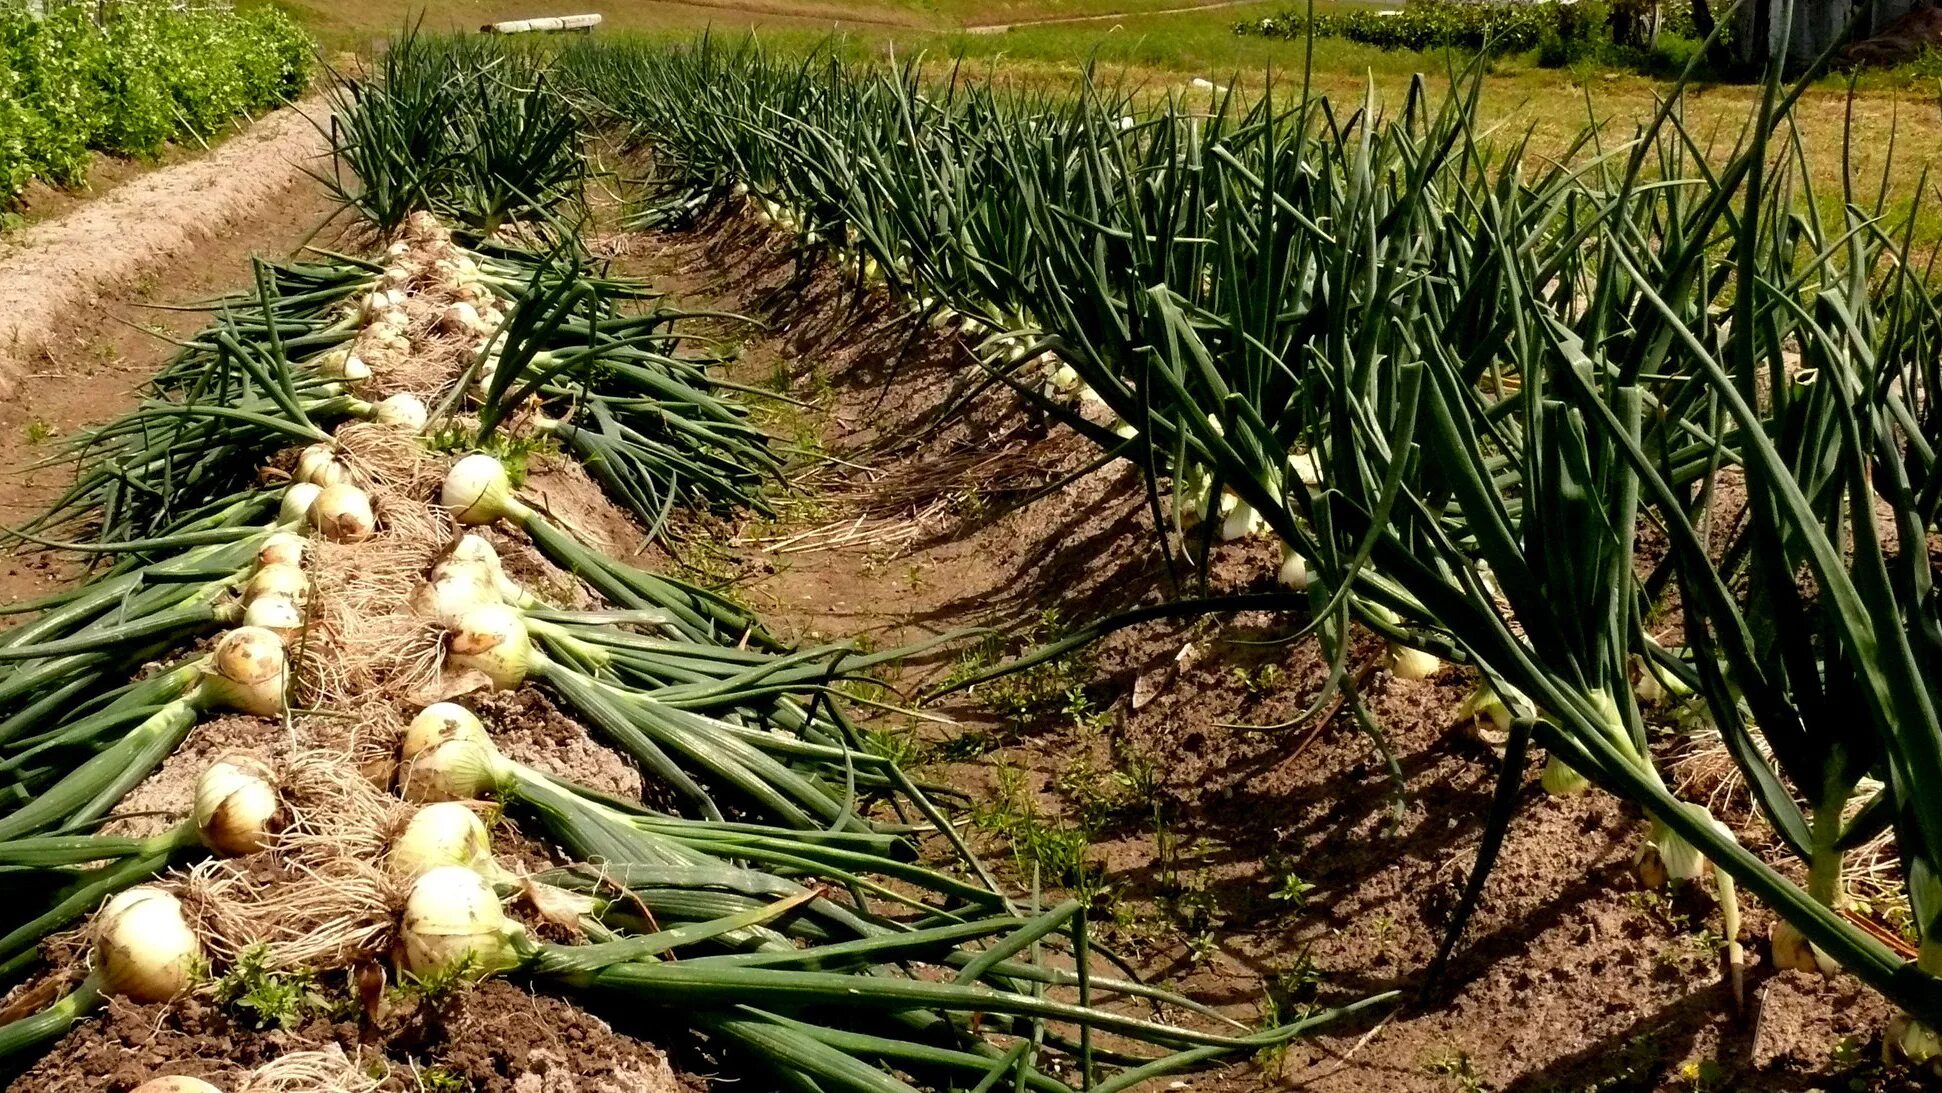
(494, 1038)
(100, 352)
(1236, 861)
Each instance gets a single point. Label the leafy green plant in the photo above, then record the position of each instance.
(132, 77)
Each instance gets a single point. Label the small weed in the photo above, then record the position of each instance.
(264, 998)
(39, 432)
(1292, 890)
(437, 1079)
(1457, 1067)
(1703, 1076)
(1057, 851)
(898, 744)
(435, 989)
(1055, 685)
(1297, 984)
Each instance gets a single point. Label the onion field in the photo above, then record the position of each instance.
(434, 650)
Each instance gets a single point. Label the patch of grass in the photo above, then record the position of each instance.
(1055, 685)
(1055, 850)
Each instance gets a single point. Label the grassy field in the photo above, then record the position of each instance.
(1164, 52)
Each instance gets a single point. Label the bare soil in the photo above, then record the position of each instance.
(1263, 869)
(53, 269)
(493, 1038)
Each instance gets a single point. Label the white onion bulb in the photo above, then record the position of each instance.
(278, 579)
(318, 463)
(343, 512)
(246, 671)
(452, 591)
(175, 1083)
(438, 723)
(461, 318)
(237, 805)
(144, 949)
(444, 833)
(452, 918)
(343, 363)
(1293, 572)
(477, 490)
(1408, 663)
(281, 548)
(297, 499)
(404, 411)
(492, 639)
(278, 614)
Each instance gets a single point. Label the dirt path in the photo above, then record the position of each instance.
(92, 357)
(55, 269)
(999, 28)
(1241, 864)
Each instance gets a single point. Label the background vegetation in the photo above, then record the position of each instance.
(141, 77)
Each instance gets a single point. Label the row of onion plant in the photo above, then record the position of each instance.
(1499, 407)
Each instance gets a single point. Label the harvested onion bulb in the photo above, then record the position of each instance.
(403, 411)
(444, 833)
(453, 919)
(478, 490)
(278, 579)
(144, 949)
(246, 671)
(492, 639)
(343, 512)
(237, 805)
(281, 548)
(297, 500)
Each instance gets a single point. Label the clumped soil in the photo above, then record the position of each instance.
(1262, 869)
(493, 1038)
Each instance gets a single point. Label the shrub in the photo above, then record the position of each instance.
(143, 76)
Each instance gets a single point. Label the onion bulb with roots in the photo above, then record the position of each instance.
(318, 463)
(237, 805)
(343, 363)
(278, 579)
(343, 512)
(297, 499)
(404, 411)
(492, 639)
(438, 723)
(473, 547)
(477, 490)
(446, 755)
(452, 591)
(281, 548)
(175, 1083)
(144, 949)
(453, 921)
(246, 672)
(280, 615)
(444, 833)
